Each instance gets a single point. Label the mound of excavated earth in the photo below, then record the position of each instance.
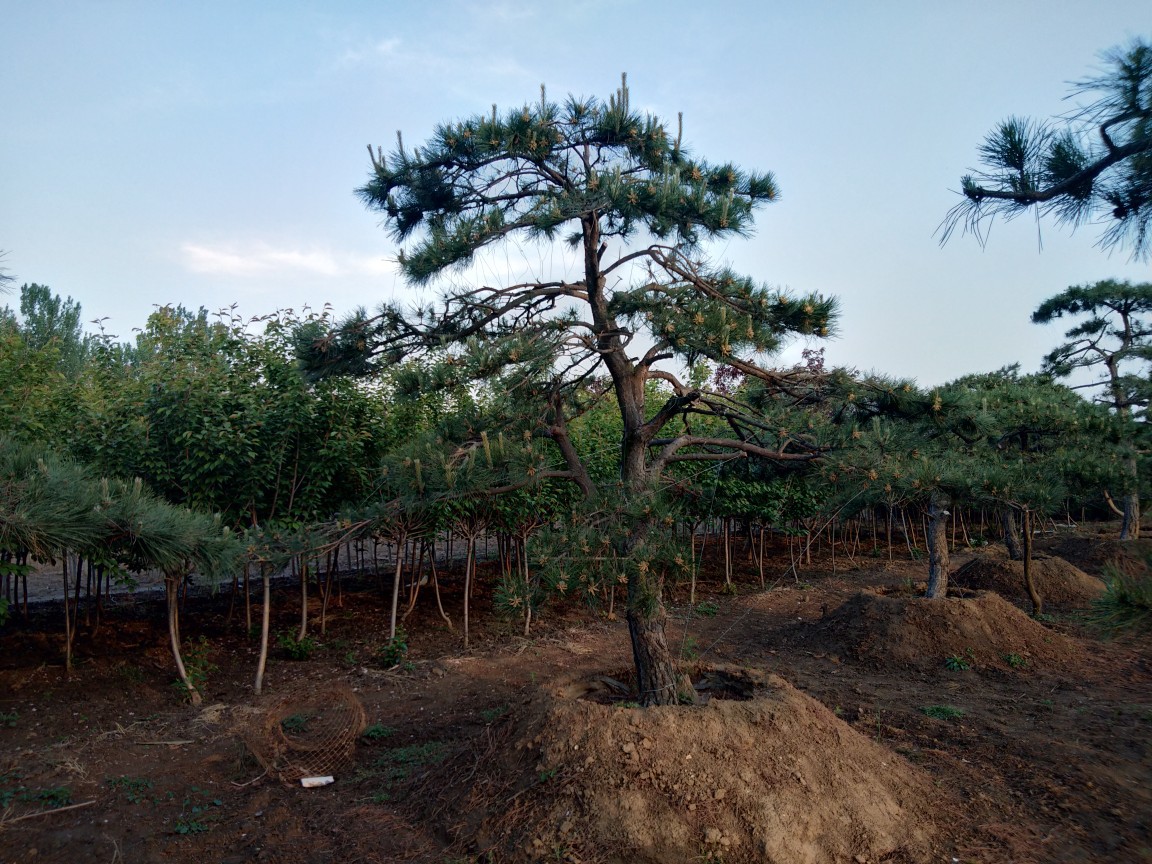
(984, 631)
(1061, 585)
(1094, 553)
(774, 778)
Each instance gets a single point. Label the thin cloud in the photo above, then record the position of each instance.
(384, 48)
(262, 259)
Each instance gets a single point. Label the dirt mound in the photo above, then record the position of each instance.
(1061, 585)
(776, 777)
(1093, 554)
(984, 631)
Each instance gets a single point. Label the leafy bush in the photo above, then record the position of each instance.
(1016, 661)
(394, 650)
(378, 731)
(491, 715)
(196, 664)
(707, 608)
(196, 812)
(295, 723)
(136, 789)
(958, 663)
(297, 649)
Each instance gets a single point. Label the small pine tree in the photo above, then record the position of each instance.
(1114, 336)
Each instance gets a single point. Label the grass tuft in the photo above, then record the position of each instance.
(943, 712)
(1127, 601)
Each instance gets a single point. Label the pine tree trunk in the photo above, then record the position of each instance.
(657, 682)
(469, 564)
(1011, 535)
(1029, 582)
(436, 583)
(937, 541)
(1130, 526)
(247, 599)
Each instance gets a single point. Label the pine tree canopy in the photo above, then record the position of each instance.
(622, 190)
(1093, 163)
(540, 167)
(1114, 335)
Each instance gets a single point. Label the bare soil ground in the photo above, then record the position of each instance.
(848, 721)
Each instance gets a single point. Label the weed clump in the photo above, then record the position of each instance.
(1126, 603)
(395, 651)
(942, 712)
(297, 649)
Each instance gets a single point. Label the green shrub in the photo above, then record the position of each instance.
(297, 649)
(491, 715)
(943, 712)
(957, 663)
(378, 731)
(136, 789)
(689, 648)
(197, 666)
(394, 650)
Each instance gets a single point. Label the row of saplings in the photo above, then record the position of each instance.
(100, 531)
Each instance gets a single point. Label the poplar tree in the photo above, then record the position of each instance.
(642, 302)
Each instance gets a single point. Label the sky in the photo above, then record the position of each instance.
(207, 153)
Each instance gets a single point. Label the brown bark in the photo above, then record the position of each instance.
(303, 564)
(657, 682)
(469, 565)
(436, 586)
(1029, 582)
(937, 540)
(1130, 524)
(1011, 535)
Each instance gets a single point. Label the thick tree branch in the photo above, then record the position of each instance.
(672, 447)
(1077, 181)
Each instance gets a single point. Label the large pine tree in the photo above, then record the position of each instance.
(641, 304)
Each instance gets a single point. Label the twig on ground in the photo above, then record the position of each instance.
(9, 821)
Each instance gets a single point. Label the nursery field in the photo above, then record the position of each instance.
(843, 719)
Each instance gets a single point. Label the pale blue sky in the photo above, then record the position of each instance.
(206, 153)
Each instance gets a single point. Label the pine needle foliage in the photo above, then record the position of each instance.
(642, 300)
(1127, 601)
(51, 506)
(1112, 336)
(1094, 164)
(48, 505)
